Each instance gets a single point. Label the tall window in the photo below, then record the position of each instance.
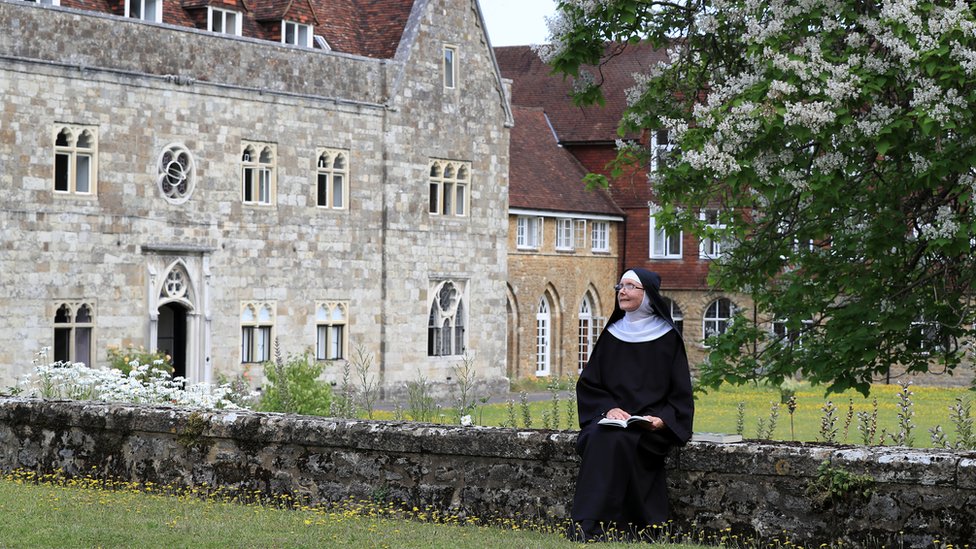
(528, 232)
(73, 326)
(331, 319)
(588, 330)
(664, 245)
(661, 147)
(676, 315)
(446, 321)
(296, 34)
(331, 171)
(257, 321)
(75, 149)
(147, 10)
(258, 174)
(600, 234)
(718, 314)
(711, 247)
(543, 343)
(450, 67)
(449, 187)
(225, 21)
(564, 234)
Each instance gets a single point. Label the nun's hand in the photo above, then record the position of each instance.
(617, 413)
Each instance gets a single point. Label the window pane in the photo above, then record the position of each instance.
(83, 345)
(337, 191)
(323, 190)
(263, 344)
(320, 343)
(248, 184)
(335, 342)
(459, 210)
(61, 172)
(434, 197)
(218, 21)
(289, 33)
(83, 175)
(265, 189)
(231, 27)
(135, 7)
(247, 344)
(62, 344)
(151, 7)
(448, 198)
(449, 67)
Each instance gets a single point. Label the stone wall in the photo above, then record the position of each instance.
(749, 489)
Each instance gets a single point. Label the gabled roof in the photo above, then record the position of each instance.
(370, 28)
(545, 176)
(534, 85)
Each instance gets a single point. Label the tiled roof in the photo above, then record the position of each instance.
(545, 176)
(534, 85)
(371, 28)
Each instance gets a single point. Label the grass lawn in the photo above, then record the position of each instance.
(80, 513)
(718, 411)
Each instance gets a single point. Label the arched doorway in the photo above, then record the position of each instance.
(171, 335)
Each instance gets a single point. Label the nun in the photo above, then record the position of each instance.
(638, 367)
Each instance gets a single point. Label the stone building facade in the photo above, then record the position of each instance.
(208, 194)
(590, 135)
(563, 251)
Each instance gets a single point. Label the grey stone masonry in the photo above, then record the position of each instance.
(880, 496)
(251, 253)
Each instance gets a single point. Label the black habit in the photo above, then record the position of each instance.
(622, 483)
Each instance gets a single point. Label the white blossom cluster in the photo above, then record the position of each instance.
(143, 384)
(943, 226)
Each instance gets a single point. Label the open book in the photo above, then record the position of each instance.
(635, 421)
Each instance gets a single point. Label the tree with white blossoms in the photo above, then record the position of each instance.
(836, 140)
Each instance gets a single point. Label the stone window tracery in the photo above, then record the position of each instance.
(176, 173)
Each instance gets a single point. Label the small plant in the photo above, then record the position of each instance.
(765, 429)
(293, 386)
(834, 485)
(420, 403)
(849, 417)
(465, 374)
(961, 416)
(554, 405)
(939, 439)
(343, 404)
(828, 423)
(512, 420)
(867, 424)
(791, 409)
(368, 384)
(571, 411)
(526, 412)
(740, 418)
(906, 412)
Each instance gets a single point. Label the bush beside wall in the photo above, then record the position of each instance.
(867, 495)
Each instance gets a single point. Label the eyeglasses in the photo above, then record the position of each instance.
(629, 287)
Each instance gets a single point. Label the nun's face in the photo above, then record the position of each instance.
(630, 295)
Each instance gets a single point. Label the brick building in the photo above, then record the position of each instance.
(590, 135)
(562, 254)
(207, 177)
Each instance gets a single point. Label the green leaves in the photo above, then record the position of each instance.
(854, 188)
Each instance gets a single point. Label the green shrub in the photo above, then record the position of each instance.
(293, 386)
